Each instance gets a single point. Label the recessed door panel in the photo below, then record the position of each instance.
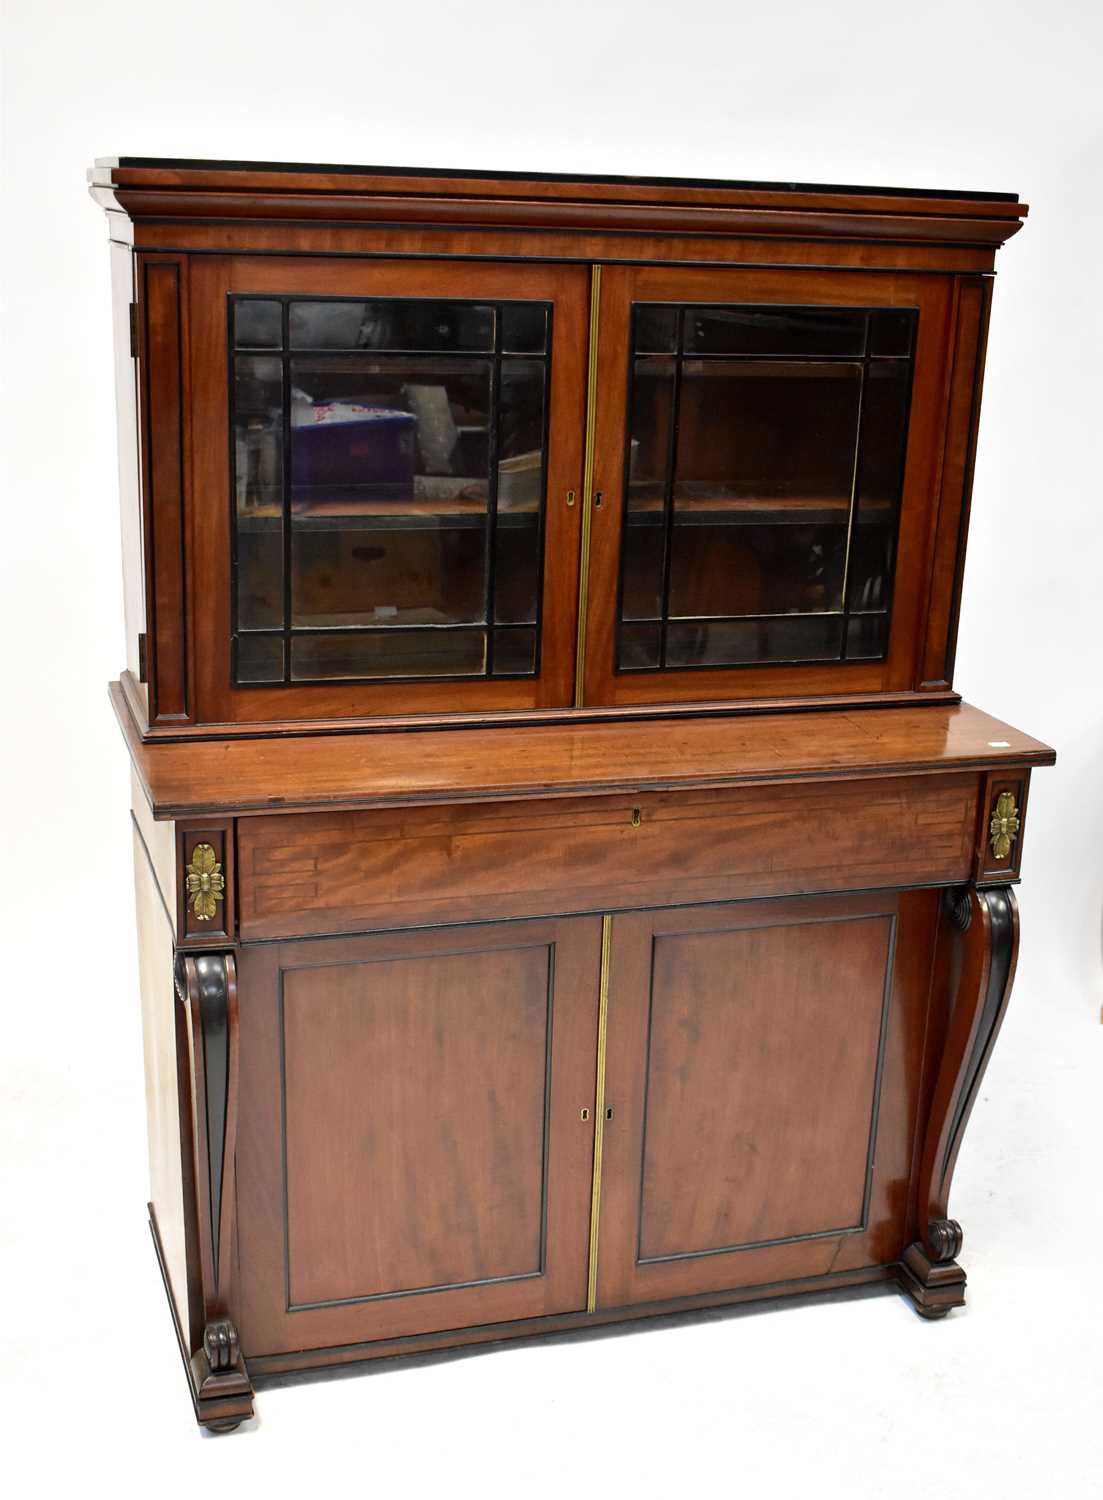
(755, 1132)
(436, 1106)
(413, 1152)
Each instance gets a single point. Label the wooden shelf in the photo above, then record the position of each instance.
(758, 510)
(388, 515)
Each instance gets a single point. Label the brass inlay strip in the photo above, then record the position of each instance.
(599, 1108)
(587, 489)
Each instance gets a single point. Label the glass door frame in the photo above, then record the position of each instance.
(621, 287)
(212, 280)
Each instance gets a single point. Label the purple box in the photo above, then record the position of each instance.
(342, 450)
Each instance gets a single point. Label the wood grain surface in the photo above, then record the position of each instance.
(403, 769)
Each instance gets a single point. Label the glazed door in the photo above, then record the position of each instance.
(386, 456)
(416, 1131)
(765, 481)
(762, 1076)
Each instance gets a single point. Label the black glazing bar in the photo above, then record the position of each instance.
(341, 631)
(285, 477)
(542, 510)
(436, 627)
(855, 485)
(490, 545)
(901, 466)
(367, 351)
(231, 364)
(668, 495)
(792, 614)
(793, 359)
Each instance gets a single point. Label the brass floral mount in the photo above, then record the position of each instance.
(1004, 825)
(206, 882)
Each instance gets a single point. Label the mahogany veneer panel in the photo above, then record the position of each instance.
(411, 1153)
(729, 1159)
(720, 1084)
(336, 872)
(433, 1114)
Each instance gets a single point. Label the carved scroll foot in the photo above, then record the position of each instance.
(982, 930)
(220, 1382)
(931, 1277)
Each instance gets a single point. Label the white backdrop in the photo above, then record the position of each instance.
(862, 1396)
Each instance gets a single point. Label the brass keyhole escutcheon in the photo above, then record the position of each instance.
(635, 817)
(584, 1114)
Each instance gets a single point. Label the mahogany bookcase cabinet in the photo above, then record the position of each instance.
(569, 888)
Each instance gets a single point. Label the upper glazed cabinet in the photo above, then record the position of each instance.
(549, 447)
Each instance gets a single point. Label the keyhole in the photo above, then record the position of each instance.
(597, 500)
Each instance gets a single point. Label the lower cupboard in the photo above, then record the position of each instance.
(450, 1128)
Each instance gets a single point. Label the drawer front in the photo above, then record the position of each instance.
(339, 872)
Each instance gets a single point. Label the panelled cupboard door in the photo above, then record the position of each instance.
(385, 456)
(415, 1145)
(762, 1079)
(765, 488)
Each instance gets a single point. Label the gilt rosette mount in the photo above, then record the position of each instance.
(206, 883)
(1004, 825)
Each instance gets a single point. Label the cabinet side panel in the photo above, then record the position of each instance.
(159, 839)
(162, 299)
(169, 1169)
(948, 564)
(130, 493)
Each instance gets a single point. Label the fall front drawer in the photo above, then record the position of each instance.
(337, 872)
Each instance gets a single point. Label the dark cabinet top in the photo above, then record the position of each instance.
(153, 188)
(199, 164)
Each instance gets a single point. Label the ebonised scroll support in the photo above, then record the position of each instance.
(207, 988)
(982, 928)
